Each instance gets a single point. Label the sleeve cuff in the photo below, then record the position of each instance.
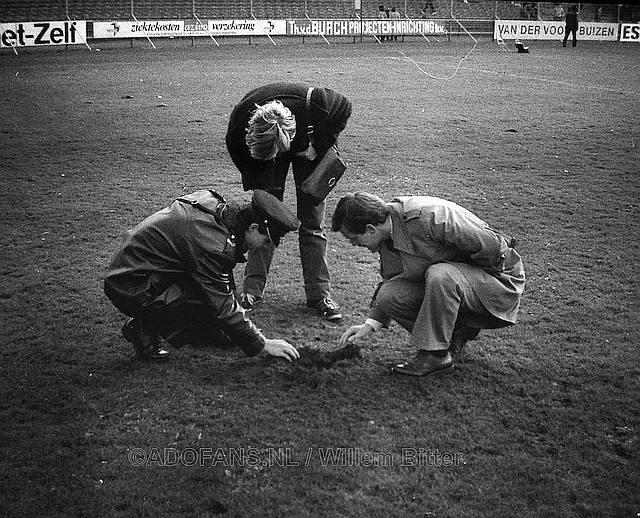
(374, 324)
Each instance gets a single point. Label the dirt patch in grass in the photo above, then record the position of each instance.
(319, 360)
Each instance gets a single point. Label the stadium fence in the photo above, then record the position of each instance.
(455, 17)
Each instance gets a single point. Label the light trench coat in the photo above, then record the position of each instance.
(429, 230)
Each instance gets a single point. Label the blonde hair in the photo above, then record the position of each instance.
(271, 129)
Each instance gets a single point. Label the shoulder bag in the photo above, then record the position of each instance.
(329, 170)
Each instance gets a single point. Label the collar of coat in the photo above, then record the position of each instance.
(404, 210)
(400, 234)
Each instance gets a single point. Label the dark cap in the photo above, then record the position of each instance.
(277, 218)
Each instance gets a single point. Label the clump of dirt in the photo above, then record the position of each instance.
(319, 360)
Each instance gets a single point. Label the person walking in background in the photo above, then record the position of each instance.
(571, 25)
(267, 133)
(173, 274)
(446, 274)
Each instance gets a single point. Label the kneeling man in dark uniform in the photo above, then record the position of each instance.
(446, 273)
(173, 274)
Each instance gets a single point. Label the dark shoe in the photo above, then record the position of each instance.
(147, 345)
(461, 335)
(423, 364)
(248, 301)
(327, 308)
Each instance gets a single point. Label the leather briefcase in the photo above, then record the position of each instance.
(325, 176)
(329, 170)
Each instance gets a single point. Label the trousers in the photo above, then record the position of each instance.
(312, 238)
(573, 32)
(430, 310)
(170, 306)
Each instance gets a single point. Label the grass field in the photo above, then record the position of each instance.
(541, 419)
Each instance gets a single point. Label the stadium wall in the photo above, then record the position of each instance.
(107, 10)
(70, 30)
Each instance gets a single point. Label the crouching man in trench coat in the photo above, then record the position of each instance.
(173, 274)
(446, 274)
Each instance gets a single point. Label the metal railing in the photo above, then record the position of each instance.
(479, 10)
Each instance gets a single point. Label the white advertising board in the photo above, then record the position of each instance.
(630, 32)
(304, 27)
(298, 27)
(28, 34)
(138, 29)
(247, 27)
(167, 28)
(547, 30)
(34, 34)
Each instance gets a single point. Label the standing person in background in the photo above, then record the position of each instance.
(597, 17)
(267, 133)
(428, 6)
(571, 25)
(558, 13)
(394, 15)
(382, 15)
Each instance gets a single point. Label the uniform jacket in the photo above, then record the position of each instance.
(185, 239)
(429, 230)
(329, 114)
